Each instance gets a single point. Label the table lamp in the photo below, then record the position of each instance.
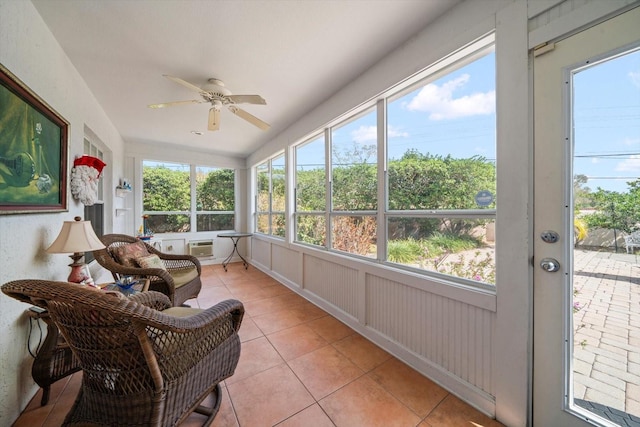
(76, 237)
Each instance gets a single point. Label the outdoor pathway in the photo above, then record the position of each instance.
(606, 360)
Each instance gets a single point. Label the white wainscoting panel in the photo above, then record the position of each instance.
(261, 252)
(449, 333)
(335, 283)
(286, 263)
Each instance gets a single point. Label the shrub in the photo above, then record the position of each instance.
(404, 251)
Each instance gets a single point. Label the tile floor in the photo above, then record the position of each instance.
(299, 367)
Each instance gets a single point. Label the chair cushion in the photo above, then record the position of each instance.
(151, 261)
(182, 311)
(127, 254)
(183, 276)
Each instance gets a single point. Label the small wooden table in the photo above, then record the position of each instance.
(235, 237)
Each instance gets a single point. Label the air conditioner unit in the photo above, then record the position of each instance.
(201, 248)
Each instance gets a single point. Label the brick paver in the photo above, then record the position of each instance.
(607, 334)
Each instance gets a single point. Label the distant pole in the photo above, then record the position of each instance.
(613, 221)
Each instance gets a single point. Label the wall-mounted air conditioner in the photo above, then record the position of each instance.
(201, 248)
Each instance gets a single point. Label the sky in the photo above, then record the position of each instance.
(453, 115)
(607, 122)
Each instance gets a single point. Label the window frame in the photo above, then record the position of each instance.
(270, 212)
(193, 211)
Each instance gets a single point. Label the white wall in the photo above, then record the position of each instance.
(30, 52)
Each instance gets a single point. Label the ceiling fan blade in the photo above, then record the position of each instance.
(247, 99)
(214, 119)
(174, 103)
(249, 117)
(184, 83)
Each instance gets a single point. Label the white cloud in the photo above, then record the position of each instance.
(394, 132)
(365, 134)
(440, 103)
(635, 78)
(370, 134)
(632, 164)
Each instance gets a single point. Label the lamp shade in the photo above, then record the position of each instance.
(75, 236)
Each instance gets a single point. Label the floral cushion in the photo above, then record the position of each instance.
(127, 254)
(150, 261)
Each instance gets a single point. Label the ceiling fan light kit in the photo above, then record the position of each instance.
(216, 94)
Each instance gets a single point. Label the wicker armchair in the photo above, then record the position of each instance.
(141, 366)
(180, 281)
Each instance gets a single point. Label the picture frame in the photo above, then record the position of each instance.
(33, 151)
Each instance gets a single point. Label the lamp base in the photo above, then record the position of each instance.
(77, 274)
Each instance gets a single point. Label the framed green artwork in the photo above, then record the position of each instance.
(33, 151)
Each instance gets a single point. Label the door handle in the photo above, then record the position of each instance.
(550, 264)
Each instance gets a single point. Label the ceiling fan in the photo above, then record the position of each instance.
(218, 95)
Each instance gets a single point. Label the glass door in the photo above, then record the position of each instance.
(587, 208)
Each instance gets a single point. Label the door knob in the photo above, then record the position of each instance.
(549, 264)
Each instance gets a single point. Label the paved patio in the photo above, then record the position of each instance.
(607, 337)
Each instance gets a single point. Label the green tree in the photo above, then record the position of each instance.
(420, 181)
(165, 189)
(582, 195)
(614, 210)
(215, 190)
(354, 178)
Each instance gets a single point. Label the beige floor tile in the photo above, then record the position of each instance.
(362, 352)
(269, 397)
(248, 330)
(283, 319)
(454, 412)
(365, 403)
(270, 305)
(256, 356)
(313, 416)
(331, 329)
(324, 371)
(296, 341)
(410, 387)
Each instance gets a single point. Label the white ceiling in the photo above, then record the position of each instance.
(294, 53)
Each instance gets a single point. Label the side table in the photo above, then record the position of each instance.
(54, 359)
(235, 237)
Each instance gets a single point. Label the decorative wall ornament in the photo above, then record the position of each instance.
(84, 179)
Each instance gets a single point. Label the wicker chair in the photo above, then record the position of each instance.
(179, 281)
(140, 366)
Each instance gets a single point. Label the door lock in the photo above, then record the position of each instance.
(549, 264)
(549, 236)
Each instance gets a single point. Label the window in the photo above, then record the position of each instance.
(419, 193)
(354, 184)
(441, 177)
(311, 192)
(215, 199)
(168, 198)
(95, 213)
(270, 197)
